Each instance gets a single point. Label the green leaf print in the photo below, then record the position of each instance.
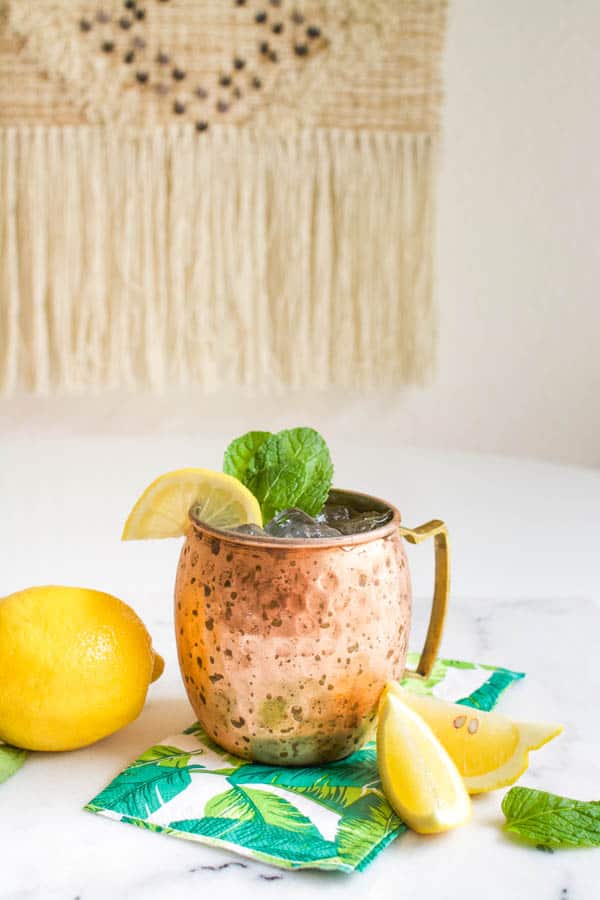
(147, 826)
(251, 804)
(141, 790)
(314, 783)
(163, 755)
(486, 696)
(424, 685)
(279, 812)
(266, 822)
(199, 733)
(366, 827)
(208, 826)
(336, 798)
(267, 841)
(231, 804)
(358, 770)
(258, 811)
(458, 664)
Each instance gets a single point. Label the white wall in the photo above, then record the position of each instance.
(519, 233)
(518, 264)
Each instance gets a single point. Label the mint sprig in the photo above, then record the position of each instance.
(290, 468)
(241, 451)
(11, 759)
(548, 820)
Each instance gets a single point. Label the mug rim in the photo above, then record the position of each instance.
(324, 543)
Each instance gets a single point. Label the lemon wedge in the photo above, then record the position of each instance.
(162, 510)
(489, 749)
(420, 780)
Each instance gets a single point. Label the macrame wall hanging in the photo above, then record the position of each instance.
(217, 192)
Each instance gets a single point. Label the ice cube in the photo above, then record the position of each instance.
(333, 512)
(294, 523)
(249, 528)
(349, 520)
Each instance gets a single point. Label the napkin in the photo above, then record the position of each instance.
(333, 816)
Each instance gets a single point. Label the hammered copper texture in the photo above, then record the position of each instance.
(285, 650)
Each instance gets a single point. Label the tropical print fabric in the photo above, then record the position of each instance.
(333, 816)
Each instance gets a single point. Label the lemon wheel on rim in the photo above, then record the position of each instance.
(162, 510)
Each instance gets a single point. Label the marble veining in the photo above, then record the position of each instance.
(41, 805)
(533, 607)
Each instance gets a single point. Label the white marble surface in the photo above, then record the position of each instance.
(526, 594)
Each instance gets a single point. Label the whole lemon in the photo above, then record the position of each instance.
(75, 666)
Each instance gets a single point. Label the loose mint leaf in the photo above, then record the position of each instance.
(11, 759)
(241, 451)
(291, 468)
(548, 820)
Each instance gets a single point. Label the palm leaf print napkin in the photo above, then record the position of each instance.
(333, 816)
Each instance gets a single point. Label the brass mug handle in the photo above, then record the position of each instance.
(441, 592)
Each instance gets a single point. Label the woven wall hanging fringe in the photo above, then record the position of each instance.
(215, 211)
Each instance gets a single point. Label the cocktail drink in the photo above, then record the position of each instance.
(292, 599)
(287, 635)
(293, 611)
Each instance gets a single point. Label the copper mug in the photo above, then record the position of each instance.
(285, 645)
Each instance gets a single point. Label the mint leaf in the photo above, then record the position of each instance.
(291, 468)
(552, 821)
(11, 759)
(241, 451)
